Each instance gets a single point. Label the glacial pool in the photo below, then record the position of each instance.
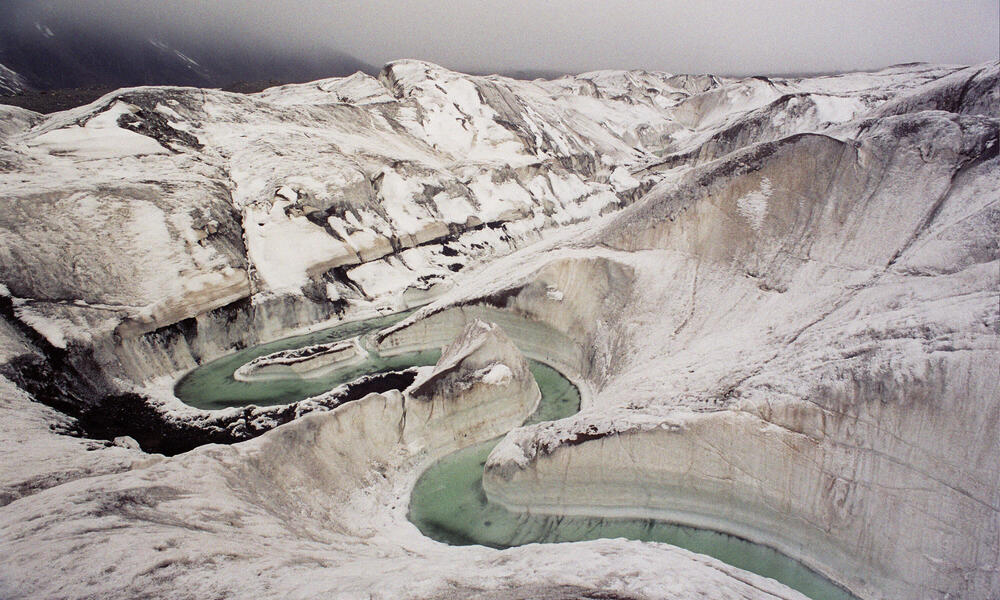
(448, 503)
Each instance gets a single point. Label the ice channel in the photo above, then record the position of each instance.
(212, 386)
(448, 503)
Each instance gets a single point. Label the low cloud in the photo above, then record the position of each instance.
(781, 36)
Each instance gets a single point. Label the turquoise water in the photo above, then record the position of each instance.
(211, 386)
(448, 503)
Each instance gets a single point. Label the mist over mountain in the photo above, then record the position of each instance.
(44, 51)
(66, 43)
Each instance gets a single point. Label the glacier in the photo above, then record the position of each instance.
(779, 299)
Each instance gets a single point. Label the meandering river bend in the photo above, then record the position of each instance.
(448, 503)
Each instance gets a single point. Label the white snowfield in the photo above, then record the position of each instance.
(780, 298)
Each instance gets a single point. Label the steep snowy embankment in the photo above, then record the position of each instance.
(296, 205)
(805, 354)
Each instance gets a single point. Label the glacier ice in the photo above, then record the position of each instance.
(778, 296)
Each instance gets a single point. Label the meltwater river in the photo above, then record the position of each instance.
(448, 503)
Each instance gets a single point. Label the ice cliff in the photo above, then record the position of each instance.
(805, 356)
(484, 375)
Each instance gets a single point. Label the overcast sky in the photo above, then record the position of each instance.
(748, 37)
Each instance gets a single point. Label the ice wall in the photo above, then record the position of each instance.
(812, 340)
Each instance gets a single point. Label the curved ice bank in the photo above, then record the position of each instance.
(313, 509)
(559, 399)
(537, 339)
(448, 504)
(867, 450)
(721, 471)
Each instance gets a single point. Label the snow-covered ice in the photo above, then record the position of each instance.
(779, 298)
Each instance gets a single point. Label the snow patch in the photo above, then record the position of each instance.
(499, 374)
(622, 180)
(753, 206)
(44, 30)
(53, 330)
(835, 109)
(101, 137)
